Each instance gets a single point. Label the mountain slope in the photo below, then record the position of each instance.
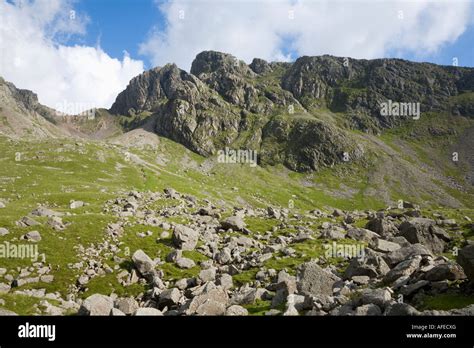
(319, 112)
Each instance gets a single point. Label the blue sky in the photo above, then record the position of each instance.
(123, 25)
(83, 61)
(118, 24)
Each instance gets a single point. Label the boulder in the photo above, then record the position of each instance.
(32, 236)
(379, 297)
(369, 309)
(207, 275)
(382, 227)
(466, 260)
(42, 211)
(224, 256)
(445, 271)
(148, 311)
(185, 238)
(6, 312)
(401, 309)
(333, 233)
(127, 305)
(409, 289)
(225, 281)
(169, 297)
(361, 234)
(383, 245)
(235, 223)
(115, 312)
(425, 232)
(372, 265)
(314, 280)
(76, 204)
(143, 263)
(405, 253)
(236, 310)
(3, 231)
(404, 268)
(273, 213)
(4, 288)
(185, 263)
(212, 301)
(96, 304)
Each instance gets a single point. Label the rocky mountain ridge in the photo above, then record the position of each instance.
(299, 114)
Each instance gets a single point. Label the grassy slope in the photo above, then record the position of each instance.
(53, 172)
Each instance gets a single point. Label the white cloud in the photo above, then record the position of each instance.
(270, 29)
(69, 78)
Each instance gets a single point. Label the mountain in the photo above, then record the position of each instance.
(316, 113)
(300, 114)
(21, 115)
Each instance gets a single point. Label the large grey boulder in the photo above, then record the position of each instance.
(33, 236)
(148, 311)
(361, 234)
(466, 260)
(404, 268)
(97, 304)
(382, 227)
(143, 263)
(372, 265)
(185, 238)
(169, 297)
(369, 309)
(212, 301)
(127, 305)
(236, 310)
(235, 223)
(425, 232)
(379, 297)
(405, 253)
(6, 312)
(401, 309)
(445, 271)
(185, 263)
(314, 280)
(42, 211)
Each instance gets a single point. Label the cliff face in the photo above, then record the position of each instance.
(22, 116)
(298, 114)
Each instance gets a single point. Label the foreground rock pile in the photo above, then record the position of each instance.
(401, 262)
(332, 266)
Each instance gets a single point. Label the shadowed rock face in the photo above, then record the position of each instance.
(275, 108)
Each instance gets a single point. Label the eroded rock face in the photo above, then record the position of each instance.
(223, 98)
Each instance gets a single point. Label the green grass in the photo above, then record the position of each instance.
(447, 301)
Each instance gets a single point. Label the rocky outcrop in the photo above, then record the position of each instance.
(273, 108)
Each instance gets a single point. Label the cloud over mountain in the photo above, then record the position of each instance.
(278, 30)
(34, 54)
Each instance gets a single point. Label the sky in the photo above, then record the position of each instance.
(79, 54)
